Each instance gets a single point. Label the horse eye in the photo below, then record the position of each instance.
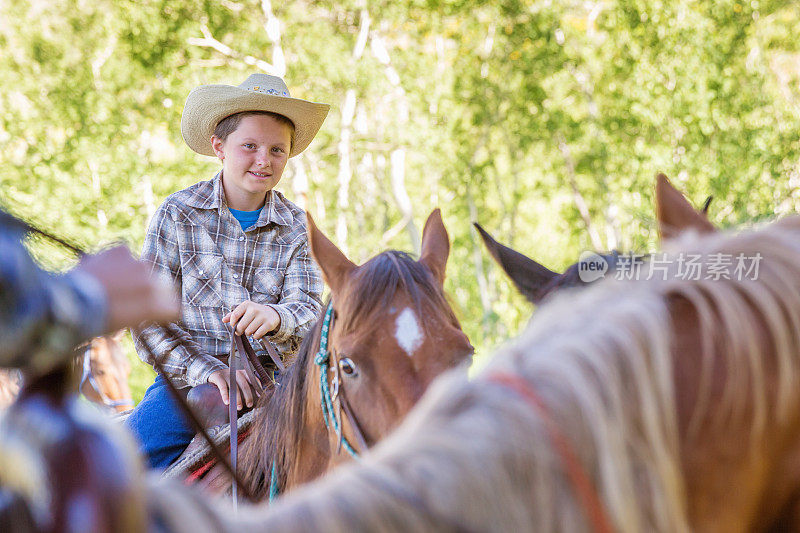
(348, 367)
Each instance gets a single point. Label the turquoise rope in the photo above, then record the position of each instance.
(273, 483)
(328, 414)
(326, 401)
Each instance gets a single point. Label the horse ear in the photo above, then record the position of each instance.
(706, 205)
(435, 245)
(333, 263)
(528, 276)
(674, 212)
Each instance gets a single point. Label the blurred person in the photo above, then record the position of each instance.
(43, 316)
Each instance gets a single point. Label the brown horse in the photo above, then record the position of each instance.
(674, 215)
(652, 405)
(392, 333)
(104, 371)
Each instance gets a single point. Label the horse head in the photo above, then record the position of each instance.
(393, 331)
(105, 373)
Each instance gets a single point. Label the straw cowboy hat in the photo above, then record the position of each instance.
(208, 104)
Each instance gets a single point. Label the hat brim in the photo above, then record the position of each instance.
(208, 104)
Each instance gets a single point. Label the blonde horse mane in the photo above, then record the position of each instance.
(473, 457)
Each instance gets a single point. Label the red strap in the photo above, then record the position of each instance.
(201, 470)
(587, 494)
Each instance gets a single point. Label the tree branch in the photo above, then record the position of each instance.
(208, 41)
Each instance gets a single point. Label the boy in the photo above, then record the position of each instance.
(236, 248)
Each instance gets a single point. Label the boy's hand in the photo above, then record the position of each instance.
(250, 318)
(220, 379)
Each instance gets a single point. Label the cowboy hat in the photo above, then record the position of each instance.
(208, 104)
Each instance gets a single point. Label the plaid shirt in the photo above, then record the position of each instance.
(195, 242)
(42, 316)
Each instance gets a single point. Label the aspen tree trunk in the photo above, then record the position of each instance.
(273, 28)
(344, 147)
(397, 157)
(299, 182)
(613, 231)
(345, 171)
(477, 258)
(398, 162)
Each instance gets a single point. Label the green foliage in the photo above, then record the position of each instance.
(506, 111)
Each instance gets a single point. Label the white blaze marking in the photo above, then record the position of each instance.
(408, 332)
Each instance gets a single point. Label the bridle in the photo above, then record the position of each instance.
(335, 394)
(88, 378)
(333, 398)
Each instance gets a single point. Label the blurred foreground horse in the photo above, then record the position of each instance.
(666, 404)
(64, 466)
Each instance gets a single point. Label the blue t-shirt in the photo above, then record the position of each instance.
(246, 218)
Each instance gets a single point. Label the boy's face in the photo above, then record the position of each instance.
(253, 158)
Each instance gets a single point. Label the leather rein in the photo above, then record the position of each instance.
(586, 493)
(242, 351)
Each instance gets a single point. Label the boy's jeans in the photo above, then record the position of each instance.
(160, 426)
